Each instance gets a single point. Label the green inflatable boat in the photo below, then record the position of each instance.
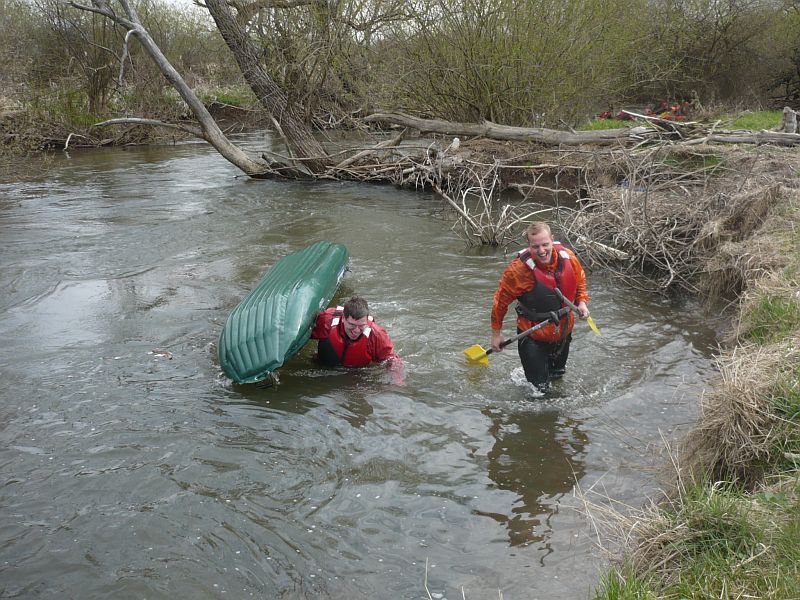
(275, 320)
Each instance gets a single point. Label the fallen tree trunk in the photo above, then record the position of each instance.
(495, 131)
(690, 133)
(752, 137)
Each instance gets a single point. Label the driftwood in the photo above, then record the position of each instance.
(195, 131)
(789, 123)
(392, 143)
(754, 137)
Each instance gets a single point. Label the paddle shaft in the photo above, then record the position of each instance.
(519, 336)
(589, 319)
(563, 298)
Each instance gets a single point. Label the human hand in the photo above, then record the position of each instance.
(497, 339)
(583, 310)
(397, 371)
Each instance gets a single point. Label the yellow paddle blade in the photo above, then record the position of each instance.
(477, 354)
(590, 321)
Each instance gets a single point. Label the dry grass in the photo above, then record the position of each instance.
(738, 263)
(708, 542)
(739, 429)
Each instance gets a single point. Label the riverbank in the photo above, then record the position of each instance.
(728, 523)
(25, 130)
(719, 222)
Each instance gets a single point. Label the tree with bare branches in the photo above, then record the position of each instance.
(209, 129)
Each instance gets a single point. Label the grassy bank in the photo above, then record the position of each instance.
(752, 120)
(46, 119)
(729, 526)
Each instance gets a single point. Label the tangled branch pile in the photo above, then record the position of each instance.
(680, 216)
(661, 216)
(470, 181)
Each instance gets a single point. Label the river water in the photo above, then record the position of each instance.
(132, 468)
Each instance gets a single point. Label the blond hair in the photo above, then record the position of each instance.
(538, 227)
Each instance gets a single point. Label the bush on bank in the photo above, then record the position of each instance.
(60, 73)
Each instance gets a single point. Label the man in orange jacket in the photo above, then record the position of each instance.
(531, 279)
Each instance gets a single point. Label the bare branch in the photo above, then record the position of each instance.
(125, 44)
(505, 132)
(395, 141)
(195, 131)
(101, 7)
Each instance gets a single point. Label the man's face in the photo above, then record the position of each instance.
(541, 247)
(354, 327)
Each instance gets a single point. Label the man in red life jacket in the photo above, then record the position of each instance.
(349, 337)
(530, 279)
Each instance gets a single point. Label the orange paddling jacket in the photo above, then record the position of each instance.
(532, 285)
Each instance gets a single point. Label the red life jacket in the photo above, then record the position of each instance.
(537, 303)
(338, 350)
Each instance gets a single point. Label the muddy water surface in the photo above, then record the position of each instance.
(131, 468)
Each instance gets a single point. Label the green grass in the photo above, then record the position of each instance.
(786, 395)
(240, 97)
(722, 543)
(627, 586)
(785, 399)
(758, 120)
(772, 319)
(720, 527)
(600, 124)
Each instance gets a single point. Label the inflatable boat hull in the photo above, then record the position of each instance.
(275, 320)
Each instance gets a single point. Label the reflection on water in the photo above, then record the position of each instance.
(537, 455)
(132, 468)
(295, 386)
